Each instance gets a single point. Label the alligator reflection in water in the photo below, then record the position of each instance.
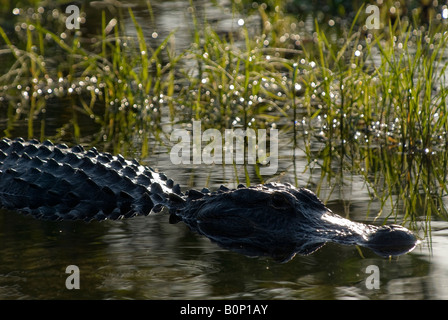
(55, 182)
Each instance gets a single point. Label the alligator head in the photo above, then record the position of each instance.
(280, 221)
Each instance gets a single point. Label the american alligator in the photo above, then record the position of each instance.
(55, 182)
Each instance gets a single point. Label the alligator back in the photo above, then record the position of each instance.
(56, 182)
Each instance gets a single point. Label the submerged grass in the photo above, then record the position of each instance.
(372, 105)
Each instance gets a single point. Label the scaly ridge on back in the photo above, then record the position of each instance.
(56, 182)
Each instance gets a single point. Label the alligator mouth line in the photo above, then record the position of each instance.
(55, 182)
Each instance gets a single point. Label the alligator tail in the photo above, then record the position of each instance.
(55, 182)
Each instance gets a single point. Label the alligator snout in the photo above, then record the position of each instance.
(391, 240)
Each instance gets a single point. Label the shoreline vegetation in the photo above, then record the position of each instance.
(353, 100)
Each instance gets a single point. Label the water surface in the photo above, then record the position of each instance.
(148, 258)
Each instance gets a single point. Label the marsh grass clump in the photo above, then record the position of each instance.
(115, 80)
(380, 107)
(236, 82)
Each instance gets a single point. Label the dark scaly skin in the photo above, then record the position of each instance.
(55, 182)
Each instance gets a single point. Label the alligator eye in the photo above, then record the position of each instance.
(279, 201)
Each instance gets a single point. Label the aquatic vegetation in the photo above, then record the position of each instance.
(380, 102)
(355, 101)
(118, 82)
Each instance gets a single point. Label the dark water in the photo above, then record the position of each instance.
(147, 258)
